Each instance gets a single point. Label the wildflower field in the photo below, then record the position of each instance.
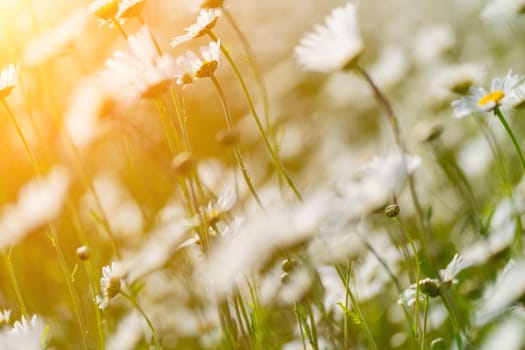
(207, 174)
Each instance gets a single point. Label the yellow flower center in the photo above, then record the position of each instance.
(107, 11)
(494, 96)
(206, 69)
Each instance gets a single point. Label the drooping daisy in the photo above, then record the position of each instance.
(140, 72)
(8, 79)
(131, 8)
(205, 22)
(110, 283)
(501, 95)
(334, 46)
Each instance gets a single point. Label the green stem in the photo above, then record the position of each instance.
(418, 273)
(14, 282)
(236, 149)
(146, 318)
(251, 105)
(507, 127)
(93, 282)
(254, 67)
(67, 275)
(518, 234)
(357, 309)
(425, 318)
(394, 122)
(22, 137)
(453, 320)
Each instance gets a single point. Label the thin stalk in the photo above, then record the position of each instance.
(14, 282)
(254, 67)
(146, 318)
(51, 227)
(93, 283)
(269, 147)
(507, 127)
(236, 148)
(355, 306)
(300, 324)
(425, 319)
(394, 122)
(407, 235)
(34, 163)
(67, 274)
(454, 321)
(313, 326)
(518, 240)
(397, 285)
(119, 27)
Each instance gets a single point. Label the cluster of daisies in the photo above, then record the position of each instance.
(229, 260)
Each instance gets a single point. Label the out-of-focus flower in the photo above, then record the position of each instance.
(5, 317)
(205, 23)
(507, 334)
(334, 46)
(508, 288)
(140, 72)
(8, 79)
(118, 205)
(38, 202)
(501, 94)
(25, 335)
(131, 8)
(55, 41)
(104, 9)
(497, 8)
(432, 42)
(110, 284)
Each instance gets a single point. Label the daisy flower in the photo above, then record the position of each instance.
(8, 79)
(205, 22)
(131, 8)
(106, 10)
(502, 94)
(334, 46)
(201, 68)
(140, 71)
(110, 284)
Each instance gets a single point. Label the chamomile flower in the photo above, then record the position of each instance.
(140, 71)
(131, 8)
(8, 79)
(200, 68)
(106, 10)
(205, 22)
(502, 94)
(110, 283)
(334, 46)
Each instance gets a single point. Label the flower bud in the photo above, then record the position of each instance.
(392, 210)
(83, 252)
